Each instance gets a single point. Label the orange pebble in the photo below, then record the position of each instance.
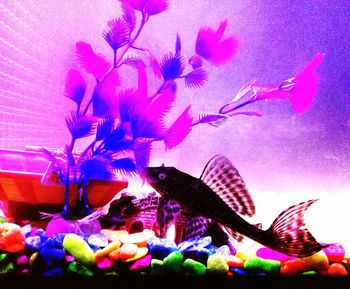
(293, 267)
(337, 269)
(105, 251)
(233, 261)
(127, 251)
(12, 241)
(139, 239)
(114, 255)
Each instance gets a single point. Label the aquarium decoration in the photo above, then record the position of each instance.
(119, 126)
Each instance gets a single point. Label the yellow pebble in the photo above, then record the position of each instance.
(318, 260)
(141, 252)
(127, 251)
(105, 251)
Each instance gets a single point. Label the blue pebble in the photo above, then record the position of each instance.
(54, 272)
(97, 241)
(26, 230)
(194, 244)
(224, 251)
(52, 256)
(160, 248)
(33, 242)
(239, 271)
(42, 234)
(58, 239)
(200, 255)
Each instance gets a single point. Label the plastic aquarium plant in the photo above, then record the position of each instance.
(123, 123)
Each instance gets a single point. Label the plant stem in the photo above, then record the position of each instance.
(131, 42)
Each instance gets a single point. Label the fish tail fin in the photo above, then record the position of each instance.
(289, 235)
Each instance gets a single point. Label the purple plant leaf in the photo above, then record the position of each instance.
(75, 86)
(248, 113)
(177, 44)
(244, 91)
(143, 126)
(150, 7)
(172, 66)
(210, 46)
(214, 119)
(195, 61)
(116, 140)
(125, 166)
(104, 128)
(127, 104)
(117, 33)
(129, 15)
(142, 154)
(196, 78)
(97, 168)
(105, 103)
(155, 66)
(82, 126)
(90, 61)
(179, 130)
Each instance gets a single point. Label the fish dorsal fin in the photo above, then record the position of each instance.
(223, 178)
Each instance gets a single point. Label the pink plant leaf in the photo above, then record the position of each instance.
(90, 61)
(161, 105)
(150, 7)
(75, 86)
(210, 46)
(142, 80)
(306, 85)
(117, 33)
(196, 78)
(129, 15)
(155, 66)
(179, 129)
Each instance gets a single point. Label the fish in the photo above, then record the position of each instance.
(221, 195)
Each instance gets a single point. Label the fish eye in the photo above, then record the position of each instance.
(161, 176)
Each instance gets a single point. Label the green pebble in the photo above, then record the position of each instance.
(192, 267)
(216, 264)
(259, 265)
(4, 257)
(7, 269)
(157, 267)
(310, 273)
(79, 270)
(2, 221)
(173, 262)
(77, 247)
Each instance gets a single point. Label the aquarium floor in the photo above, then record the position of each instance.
(181, 282)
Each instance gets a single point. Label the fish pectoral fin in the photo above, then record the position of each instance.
(224, 179)
(234, 236)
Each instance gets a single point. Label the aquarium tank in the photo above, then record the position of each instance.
(160, 137)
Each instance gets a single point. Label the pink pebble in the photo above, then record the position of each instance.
(22, 260)
(25, 272)
(141, 263)
(69, 258)
(267, 253)
(335, 252)
(104, 263)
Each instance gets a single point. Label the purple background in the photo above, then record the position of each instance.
(294, 157)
